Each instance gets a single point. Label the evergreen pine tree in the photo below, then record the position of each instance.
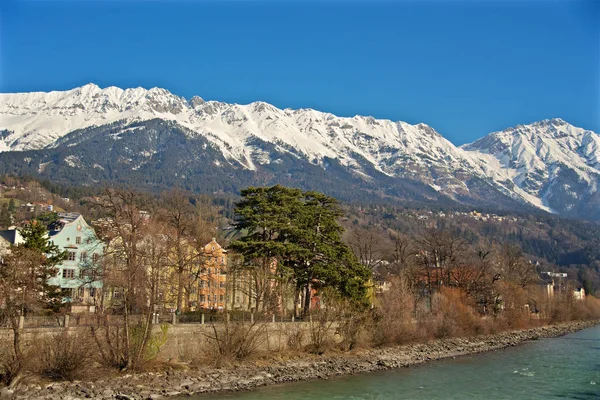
(5, 219)
(299, 230)
(12, 207)
(35, 237)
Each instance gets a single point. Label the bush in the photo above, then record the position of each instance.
(393, 317)
(10, 367)
(350, 328)
(587, 309)
(295, 336)
(453, 315)
(114, 349)
(236, 341)
(321, 330)
(64, 356)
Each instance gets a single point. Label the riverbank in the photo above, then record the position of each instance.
(248, 376)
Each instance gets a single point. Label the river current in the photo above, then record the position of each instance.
(567, 367)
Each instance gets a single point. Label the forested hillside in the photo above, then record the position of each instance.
(556, 243)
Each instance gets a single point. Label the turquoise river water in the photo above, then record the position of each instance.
(567, 367)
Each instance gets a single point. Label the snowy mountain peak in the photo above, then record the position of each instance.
(536, 163)
(542, 159)
(89, 87)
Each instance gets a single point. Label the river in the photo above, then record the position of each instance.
(567, 367)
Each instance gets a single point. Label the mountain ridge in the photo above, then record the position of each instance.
(548, 164)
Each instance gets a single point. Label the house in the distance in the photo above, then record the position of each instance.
(9, 237)
(80, 273)
(579, 294)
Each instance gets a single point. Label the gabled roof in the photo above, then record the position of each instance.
(214, 243)
(65, 223)
(12, 236)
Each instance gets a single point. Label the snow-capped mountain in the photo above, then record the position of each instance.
(258, 138)
(551, 163)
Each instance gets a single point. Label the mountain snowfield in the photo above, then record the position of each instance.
(549, 164)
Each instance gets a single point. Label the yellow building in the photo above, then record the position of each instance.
(210, 288)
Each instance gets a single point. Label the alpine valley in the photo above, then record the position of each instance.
(153, 139)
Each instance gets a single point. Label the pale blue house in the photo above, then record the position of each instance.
(80, 272)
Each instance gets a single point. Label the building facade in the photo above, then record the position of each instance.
(79, 275)
(211, 290)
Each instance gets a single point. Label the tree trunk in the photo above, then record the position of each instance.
(127, 350)
(17, 369)
(179, 290)
(307, 296)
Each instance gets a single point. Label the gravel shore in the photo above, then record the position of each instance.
(173, 383)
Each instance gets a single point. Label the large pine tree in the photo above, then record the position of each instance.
(299, 230)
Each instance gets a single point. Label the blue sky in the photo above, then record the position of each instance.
(465, 68)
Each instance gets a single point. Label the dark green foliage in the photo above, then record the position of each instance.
(36, 239)
(12, 208)
(299, 230)
(5, 218)
(48, 219)
(35, 236)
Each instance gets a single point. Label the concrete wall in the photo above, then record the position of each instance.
(188, 341)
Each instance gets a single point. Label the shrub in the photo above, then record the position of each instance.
(454, 315)
(321, 330)
(295, 336)
(587, 309)
(236, 341)
(64, 356)
(393, 321)
(10, 367)
(114, 349)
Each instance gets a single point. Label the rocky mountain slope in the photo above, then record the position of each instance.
(155, 138)
(551, 163)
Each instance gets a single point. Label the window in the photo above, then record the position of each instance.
(222, 284)
(80, 292)
(223, 260)
(78, 240)
(208, 282)
(210, 271)
(68, 273)
(92, 292)
(71, 256)
(215, 297)
(221, 298)
(202, 298)
(202, 284)
(83, 256)
(88, 240)
(95, 257)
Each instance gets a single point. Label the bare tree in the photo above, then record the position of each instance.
(402, 256)
(369, 247)
(515, 268)
(179, 216)
(133, 261)
(439, 253)
(20, 291)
